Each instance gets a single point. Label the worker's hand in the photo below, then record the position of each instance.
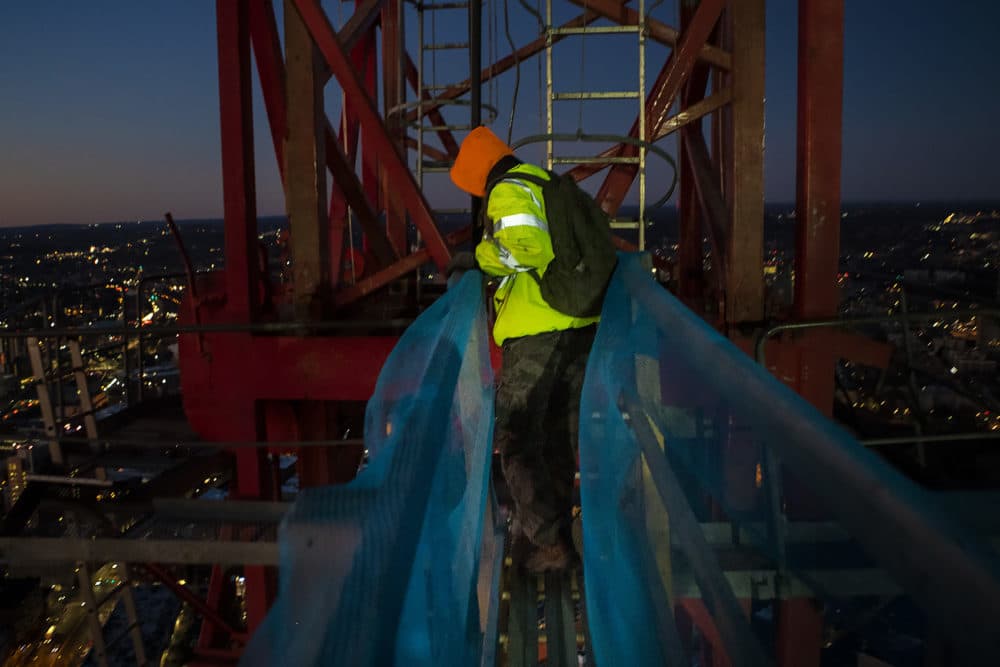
(459, 264)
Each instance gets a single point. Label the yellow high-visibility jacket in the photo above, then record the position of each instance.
(520, 242)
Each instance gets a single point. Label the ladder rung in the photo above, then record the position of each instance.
(446, 46)
(433, 88)
(452, 211)
(431, 6)
(598, 95)
(624, 224)
(440, 128)
(596, 30)
(435, 170)
(442, 101)
(595, 160)
(433, 164)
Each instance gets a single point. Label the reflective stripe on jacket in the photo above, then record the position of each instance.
(520, 242)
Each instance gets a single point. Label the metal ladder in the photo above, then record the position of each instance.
(425, 166)
(580, 96)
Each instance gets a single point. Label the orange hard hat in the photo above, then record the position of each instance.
(479, 153)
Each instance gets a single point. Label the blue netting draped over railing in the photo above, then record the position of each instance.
(682, 438)
(384, 570)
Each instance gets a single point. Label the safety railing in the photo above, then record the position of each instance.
(710, 491)
(906, 321)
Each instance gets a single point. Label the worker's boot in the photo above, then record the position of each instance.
(550, 558)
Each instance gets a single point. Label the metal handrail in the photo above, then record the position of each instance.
(877, 505)
(234, 328)
(930, 439)
(108, 443)
(848, 322)
(904, 319)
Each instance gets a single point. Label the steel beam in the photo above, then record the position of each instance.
(409, 263)
(209, 633)
(799, 639)
(101, 550)
(745, 272)
(430, 151)
(820, 104)
(339, 231)
(347, 141)
(92, 612)
(270, 71)
(691, 114)
(393, 97)
(238, 186)
(658, 31)
(365, 61)
(222, 510)
(346, 186)
(305, 183)
(242, 270)
(285, 369)
(397, 170)
(364, 18)
(346, 179)
(690, 265)
(817, 256)
(180, 590)
(712, 204)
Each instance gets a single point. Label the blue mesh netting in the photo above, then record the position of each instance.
(681, 435)
(383, 570)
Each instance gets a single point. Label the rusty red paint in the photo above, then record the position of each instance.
(690, 266)
(692, 612)
(210, 632)
(800, 633)
(361, 23)
(710, 202)
(397, 170)
(820, 102)
(206, 610)
(239, 201)
(270, 71)
(393, 98)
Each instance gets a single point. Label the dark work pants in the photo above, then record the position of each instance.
(537, 427)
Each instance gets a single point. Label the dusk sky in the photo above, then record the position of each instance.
(109, 110)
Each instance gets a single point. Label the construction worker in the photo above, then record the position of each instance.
(544, 351)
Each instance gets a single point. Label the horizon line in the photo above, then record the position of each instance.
(790, 203)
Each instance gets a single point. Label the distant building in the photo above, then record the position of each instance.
(17, 479)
